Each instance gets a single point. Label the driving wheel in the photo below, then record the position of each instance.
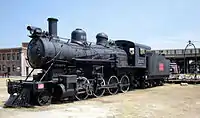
(82, 88)
(124, 83)
(113, 85)
(98, 91)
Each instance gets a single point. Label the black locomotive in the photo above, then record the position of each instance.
(77, 69)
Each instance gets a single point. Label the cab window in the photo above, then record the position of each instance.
(142, 52)
(131, 51)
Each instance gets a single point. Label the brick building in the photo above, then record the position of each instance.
(13, 60)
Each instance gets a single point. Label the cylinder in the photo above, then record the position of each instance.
(52, 22)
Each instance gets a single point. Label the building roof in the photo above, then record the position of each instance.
(24, 46)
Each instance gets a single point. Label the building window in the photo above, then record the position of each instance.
(178, 51)
(166, 51)
(13, 67)
(0, 56)
(163, 52)
(172, 52)
(18, 56)
(169, 51)
(197, 51)
(0, 67)
(191, 51)
(3, 56)
(13, 56)
(8, 56)
(3, 68)
(187, 51)
(157, 51)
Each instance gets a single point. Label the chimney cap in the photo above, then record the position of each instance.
(50, 19)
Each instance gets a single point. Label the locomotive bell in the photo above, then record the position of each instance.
(102, 39)
(78, 36)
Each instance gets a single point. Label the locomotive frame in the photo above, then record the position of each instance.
(78, 70)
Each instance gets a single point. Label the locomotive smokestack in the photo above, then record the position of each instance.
(52, 26)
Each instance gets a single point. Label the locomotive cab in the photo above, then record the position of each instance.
(140, 56)
(136, 52)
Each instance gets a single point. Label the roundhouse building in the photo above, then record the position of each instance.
(177, 56)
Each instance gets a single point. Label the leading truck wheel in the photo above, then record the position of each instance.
(44, 98)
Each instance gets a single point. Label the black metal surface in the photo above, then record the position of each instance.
(78, 36)
(52, 26)
(78, 70)
(41, 50)
(21, 99)
(102, 39)
(158, 65)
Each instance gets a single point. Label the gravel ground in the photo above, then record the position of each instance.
(169, 101)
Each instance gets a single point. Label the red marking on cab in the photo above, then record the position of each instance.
(161, 67)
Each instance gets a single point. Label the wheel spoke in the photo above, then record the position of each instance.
(44, 98)
(112, 82)
(125, 84)
(98, 92)
(82, 88)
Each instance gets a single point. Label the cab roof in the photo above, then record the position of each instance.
(131, 44)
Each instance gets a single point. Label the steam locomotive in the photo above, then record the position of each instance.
(76, 69)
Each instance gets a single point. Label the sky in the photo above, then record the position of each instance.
(161, 24)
